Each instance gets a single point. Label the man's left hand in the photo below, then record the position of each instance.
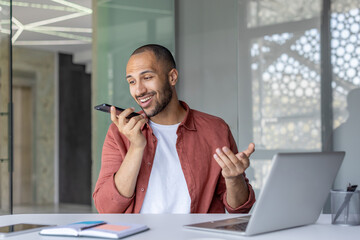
(233, 165)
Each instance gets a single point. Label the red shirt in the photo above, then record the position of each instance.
(198, 136)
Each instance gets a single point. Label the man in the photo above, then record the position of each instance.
(169, 159)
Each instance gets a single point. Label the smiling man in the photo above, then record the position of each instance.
(169, 159)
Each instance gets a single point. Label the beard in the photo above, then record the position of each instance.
(166, 92)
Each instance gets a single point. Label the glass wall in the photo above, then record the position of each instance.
(256, 64)
(345, 55)
(285, 69)
(287, 80)
(272, 91)
(34, 100)
(284, 44)
(5, 85)
(120, 26)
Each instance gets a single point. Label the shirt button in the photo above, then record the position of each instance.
(149, 163)
(142, 189)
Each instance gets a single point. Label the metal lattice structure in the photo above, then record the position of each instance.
(286, 82)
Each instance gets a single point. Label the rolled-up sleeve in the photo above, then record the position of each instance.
(106, 197)
(244, 208)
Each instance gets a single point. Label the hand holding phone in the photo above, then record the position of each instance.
(106, 108)
(127, 127)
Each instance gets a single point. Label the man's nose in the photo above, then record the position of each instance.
(140, 88)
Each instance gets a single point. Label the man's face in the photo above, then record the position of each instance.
(148, 82)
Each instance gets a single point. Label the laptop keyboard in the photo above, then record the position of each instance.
(235, 227)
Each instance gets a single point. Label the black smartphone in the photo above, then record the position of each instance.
(106, 108)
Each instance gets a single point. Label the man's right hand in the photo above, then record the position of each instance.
(126, 177)
(131, 128)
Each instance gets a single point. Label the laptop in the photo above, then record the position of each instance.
(294, 194)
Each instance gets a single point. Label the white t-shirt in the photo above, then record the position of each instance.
(167, 191)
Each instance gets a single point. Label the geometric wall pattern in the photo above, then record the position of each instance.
(286, 86)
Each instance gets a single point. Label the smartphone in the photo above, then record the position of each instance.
(106, 108)
(15, 229)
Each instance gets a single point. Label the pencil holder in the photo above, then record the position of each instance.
(345, 208)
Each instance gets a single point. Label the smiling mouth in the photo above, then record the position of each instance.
(145, 100)
(142, 100)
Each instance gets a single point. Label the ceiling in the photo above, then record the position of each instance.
(54, 25)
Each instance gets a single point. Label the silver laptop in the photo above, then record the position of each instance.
(294, 194)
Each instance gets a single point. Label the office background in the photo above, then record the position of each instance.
(283, 74)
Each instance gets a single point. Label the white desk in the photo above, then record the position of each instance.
(166, 226)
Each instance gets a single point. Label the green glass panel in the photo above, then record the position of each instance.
(121, 26)
(5, 206)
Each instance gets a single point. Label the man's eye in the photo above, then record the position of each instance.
(131, 82)
(148, 77)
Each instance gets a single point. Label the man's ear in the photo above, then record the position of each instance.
(173, 76)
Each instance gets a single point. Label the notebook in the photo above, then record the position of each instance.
(294, 194)
(98, 229)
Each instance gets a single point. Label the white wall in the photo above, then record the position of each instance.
(347, 138)
(206, 55)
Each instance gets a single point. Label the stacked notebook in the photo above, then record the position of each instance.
(99, 229)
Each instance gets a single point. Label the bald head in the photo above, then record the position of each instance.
(161, 53)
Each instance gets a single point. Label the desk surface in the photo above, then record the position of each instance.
(169, 226)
